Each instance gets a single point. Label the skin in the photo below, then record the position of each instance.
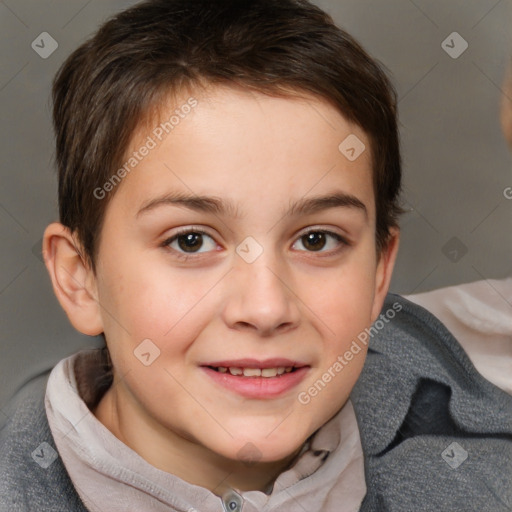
(297, 300)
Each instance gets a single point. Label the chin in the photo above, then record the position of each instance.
(265, 451)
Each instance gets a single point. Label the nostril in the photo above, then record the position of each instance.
(245, 324)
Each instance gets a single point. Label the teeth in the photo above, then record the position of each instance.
(256, 372)
(252, 372)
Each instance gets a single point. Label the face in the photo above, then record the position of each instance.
(236, 264)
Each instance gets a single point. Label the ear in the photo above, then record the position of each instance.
(74, 283)
(384, 271)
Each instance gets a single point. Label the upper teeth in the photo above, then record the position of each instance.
(256, 372)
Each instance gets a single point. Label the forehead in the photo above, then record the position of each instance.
(236, 143)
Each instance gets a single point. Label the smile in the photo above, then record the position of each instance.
(255, 372)
(250, 378)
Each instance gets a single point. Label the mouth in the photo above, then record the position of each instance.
(268, 368)
(266, 373)
(251, 378)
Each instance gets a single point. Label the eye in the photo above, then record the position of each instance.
(318, 240)
(190, 241)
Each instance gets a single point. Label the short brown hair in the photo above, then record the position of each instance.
(106, 87)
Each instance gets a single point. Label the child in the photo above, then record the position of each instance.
(229, 175)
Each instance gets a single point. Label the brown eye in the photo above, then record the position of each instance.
(322, 241)
(190, 242)
(314, 241)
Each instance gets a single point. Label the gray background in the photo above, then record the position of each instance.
(456, 161)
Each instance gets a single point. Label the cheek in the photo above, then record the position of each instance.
(344, 308)
(344, 299)
(344, 311)
(150, 298)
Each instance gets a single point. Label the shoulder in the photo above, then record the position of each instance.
(33, 476)
(428, 420)
(478, 315)
(407, 335)
(408, 346)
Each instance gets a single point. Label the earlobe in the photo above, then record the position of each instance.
(384, 271)
(73, 281)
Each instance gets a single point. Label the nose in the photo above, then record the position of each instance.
(260, 298)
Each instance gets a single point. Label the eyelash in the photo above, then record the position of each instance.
(185, 231)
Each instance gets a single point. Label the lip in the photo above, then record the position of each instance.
(260, 388)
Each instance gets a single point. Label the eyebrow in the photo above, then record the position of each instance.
(218, 206)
